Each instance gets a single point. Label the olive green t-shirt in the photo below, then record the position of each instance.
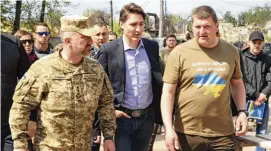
(164, 53)
(203, 78)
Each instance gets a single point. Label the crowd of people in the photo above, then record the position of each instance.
(126, 88)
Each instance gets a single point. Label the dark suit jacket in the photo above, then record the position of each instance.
(111, 56)
(14, 64)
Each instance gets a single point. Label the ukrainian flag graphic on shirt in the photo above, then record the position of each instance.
(212, 82)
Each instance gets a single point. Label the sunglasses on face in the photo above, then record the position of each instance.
(30, 41)
(43, 33)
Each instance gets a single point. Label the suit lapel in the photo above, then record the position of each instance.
(120, 55)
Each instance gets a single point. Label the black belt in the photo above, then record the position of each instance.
(136, 113)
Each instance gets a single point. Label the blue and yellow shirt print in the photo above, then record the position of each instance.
(212, 82)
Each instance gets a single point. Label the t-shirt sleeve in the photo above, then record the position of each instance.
(237, 74)
(172, 70)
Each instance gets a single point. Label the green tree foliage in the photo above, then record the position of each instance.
(228, 18)
(55, 10)
(176, 22)
(241, 19)
(258, 15)
(117, 29)
(31, 10)
(7, 15)
(97, 15)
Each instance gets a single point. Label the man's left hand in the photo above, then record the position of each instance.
(241, 124)
(97, 139)
(109, 145)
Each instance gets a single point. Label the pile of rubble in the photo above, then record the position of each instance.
(234, 34)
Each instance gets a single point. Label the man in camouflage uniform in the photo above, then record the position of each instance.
(66, 89)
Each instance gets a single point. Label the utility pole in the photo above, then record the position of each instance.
(111, 10)
(161, 21)
(16, 25)
(165, 8)
(166, 22)
(42, 11)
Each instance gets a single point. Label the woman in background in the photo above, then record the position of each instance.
(26, 39)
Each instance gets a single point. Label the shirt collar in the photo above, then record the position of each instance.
(42, 52)
(127, 47)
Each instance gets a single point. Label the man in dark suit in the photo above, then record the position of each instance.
(14, 63)
(132, 65)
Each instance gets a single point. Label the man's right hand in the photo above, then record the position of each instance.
(119, 113)
(171, 140)
(32, 126)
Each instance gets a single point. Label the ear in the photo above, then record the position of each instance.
(67, 41)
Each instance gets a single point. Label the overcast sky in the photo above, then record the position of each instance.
(182, 7)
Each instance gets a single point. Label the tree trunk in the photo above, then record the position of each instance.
(16, 25)
(42, 11)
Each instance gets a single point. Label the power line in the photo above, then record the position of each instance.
(148, 3)
(234, 3)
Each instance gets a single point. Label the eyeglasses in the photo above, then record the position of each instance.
(30, 41)
(43, 33)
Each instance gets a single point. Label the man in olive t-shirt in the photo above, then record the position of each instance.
(171, 42)
(198, 76)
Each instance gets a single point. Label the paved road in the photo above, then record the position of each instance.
(159, 144)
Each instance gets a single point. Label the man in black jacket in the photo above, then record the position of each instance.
(256, 69)
(99, 38)
(132, 65)
(14, 63)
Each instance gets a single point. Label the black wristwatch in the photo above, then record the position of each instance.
(109, 138)
(245, 111)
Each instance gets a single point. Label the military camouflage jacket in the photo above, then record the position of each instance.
(66, 98)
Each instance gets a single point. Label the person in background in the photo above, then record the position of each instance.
(171, 42)
(256, 69)
(14, 64)
(27, 40)
(41, 35)
(99, 38)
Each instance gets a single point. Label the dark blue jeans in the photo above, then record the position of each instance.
(262, 128)
(134, 134)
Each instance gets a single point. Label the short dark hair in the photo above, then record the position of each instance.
(204, 12)
(41, 24)
(171, 35)
(113, 33)
(131, 8)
